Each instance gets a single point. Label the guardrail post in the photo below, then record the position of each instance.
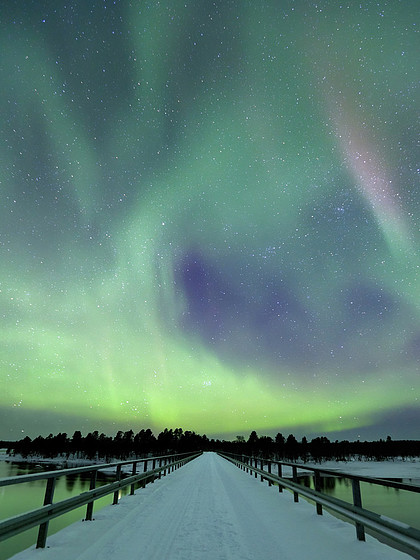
(143, 483)
(280, 473)
(262, 468)
(153, 467)
(160, 464)
(133, 472)
(92, 486)
(256, 466)
(295, 479)
(357, 501)
(317, 484)
(116, 493)
(43, 528)
(269, 471)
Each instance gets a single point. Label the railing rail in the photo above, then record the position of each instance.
(8, 480)
(41, 516)
(400, 533)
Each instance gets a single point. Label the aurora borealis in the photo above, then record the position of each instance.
(209, 217)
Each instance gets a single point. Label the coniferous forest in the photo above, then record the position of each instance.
(97, 446)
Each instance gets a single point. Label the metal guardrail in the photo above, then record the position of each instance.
(43, 515)
(400, 533)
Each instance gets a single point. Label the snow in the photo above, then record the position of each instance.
(405, 469)
(63, 461)
(210, 509)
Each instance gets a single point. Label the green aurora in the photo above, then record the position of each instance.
(209, 217)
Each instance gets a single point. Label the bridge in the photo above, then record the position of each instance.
(208, 509)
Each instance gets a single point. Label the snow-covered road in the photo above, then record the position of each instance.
(209, 509)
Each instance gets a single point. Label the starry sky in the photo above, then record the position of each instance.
(209, 217)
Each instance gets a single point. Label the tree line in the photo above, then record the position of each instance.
(127, 445)
(96, 446)
(322, 449)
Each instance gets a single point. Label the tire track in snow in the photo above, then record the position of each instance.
(209, 531)
(262, 537)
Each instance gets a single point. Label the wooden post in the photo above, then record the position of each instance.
(262, 468)
(295, 479)
(48, 498)
(92, 486)
(133, 472)
(160, 464)
(153, 467)
(116, 493)
(256, 465)
(280, 473)
(357, 501)
(317, 484)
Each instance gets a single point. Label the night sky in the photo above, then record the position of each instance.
(209, 217)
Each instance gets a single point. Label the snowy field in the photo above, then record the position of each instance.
(209, 509)
(405, 469)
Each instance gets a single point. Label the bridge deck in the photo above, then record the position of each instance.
(209, 509)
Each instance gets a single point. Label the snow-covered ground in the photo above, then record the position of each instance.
(390, 468)
(398, 468)
(209, 509)
(64, 462)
